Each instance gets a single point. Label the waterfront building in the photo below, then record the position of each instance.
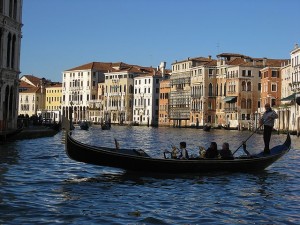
(290, 110)
(79, 87)
(119, 92)
(287, 97)
(241, 79)
(31, 95)
(96, 107)
(52, 111)
(146, 96)
(164, 92)
(295, 86)
(180, 95)
(271, 86)
(10, 47)
(203, 92)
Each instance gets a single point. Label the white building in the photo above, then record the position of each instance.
(10, 41)
(146, 97)
(79, 86)
(295, 87)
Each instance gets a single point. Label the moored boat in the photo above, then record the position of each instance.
(206, 127)
(139, 160)
(84, 125)
(105, 126)
(9, 135)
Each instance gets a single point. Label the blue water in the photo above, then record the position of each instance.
(39, 184)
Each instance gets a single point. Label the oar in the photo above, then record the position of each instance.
(248, 138)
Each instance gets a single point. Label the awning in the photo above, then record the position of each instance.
(289, 98)
(229, 98)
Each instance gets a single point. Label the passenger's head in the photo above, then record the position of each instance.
(183, 144)
(225, 146)
(213, 145)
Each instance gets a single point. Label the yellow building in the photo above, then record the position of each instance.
(53, 97)
(52, 109)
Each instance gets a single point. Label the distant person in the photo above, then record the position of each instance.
(183, 152)
(212, 151)
(267, 120)
(225, 152)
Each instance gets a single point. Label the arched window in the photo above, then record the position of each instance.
(249, 102)
(210, 90)
(15, 9)
(249, 86)
(243, 104)
(217, 90)
(1, 6)
(221, 90)
(224, 89)
(11, 8)
(130, 89)
(243, 86)
(8, 50)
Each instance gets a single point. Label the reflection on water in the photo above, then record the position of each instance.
(39, 183)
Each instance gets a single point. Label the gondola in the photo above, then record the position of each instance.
(206, 127)
(139, 160)
(9, 135)
(105, 126)
(84, 125)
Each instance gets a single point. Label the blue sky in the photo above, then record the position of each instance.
(62, 34)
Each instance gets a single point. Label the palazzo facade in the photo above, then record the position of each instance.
(10, 46)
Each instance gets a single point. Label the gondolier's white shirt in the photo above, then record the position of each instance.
(269, 117)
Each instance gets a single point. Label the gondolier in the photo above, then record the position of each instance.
(267, 120)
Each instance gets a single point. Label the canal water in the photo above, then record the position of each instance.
(39, 184)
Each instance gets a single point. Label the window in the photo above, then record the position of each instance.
(243, 86)
(210, 90)
(243, 116)
(274, 87)
(273, 102)
(274, 73)
(249, 86)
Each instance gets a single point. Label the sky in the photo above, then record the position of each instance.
(62, 34)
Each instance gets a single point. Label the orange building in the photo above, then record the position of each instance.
(271, 84)
(164, 93)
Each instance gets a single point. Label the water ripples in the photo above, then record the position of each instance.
(41, 185)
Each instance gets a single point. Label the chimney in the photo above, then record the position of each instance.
(162, 67)
(209, 56)
(264, 61)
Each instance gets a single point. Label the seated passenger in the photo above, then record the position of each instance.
(212, 151)
(225, 153)
(174, 152)
(184, 153)
(202, 152)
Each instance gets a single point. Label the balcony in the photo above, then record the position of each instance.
(231, 109)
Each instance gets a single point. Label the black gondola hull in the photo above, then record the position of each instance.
(128, 159)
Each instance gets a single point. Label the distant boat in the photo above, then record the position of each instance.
(84, 125)
(206, 127)
(105, 126)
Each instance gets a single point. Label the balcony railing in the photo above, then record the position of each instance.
(231, 109)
